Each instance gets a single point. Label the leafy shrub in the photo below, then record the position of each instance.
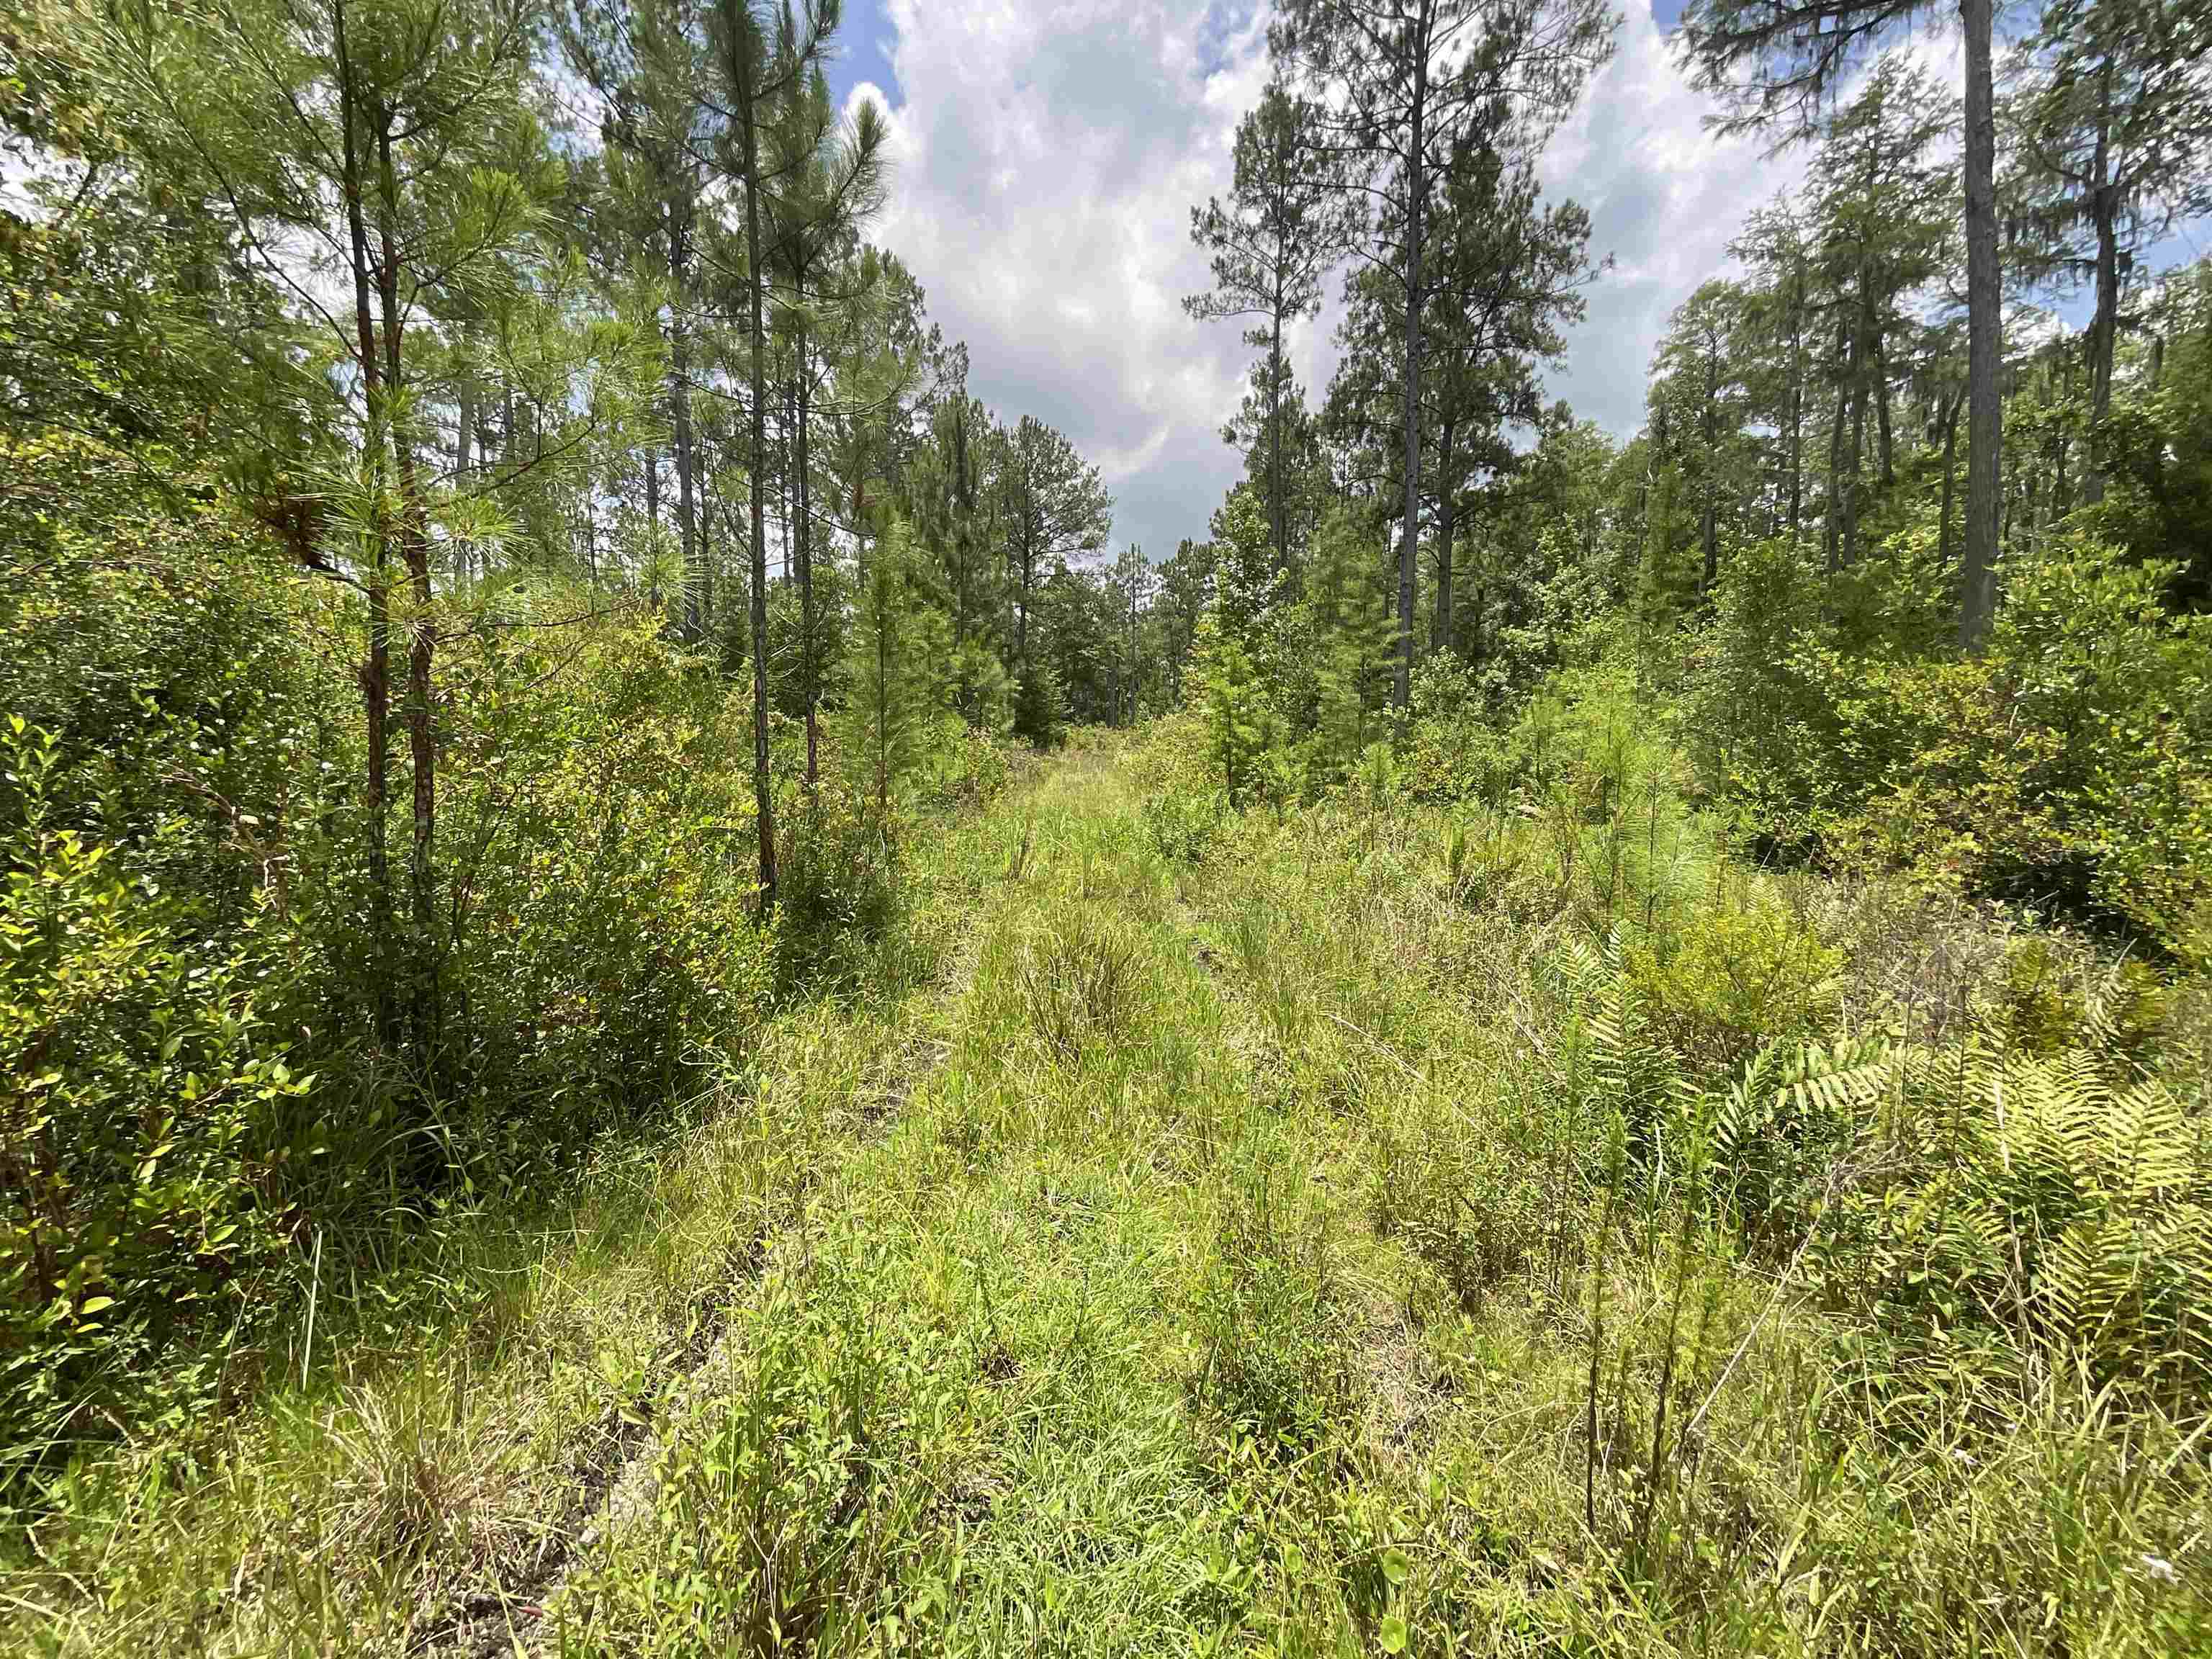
(978, 770)
(142, 1126)
(189, 933)
(1737, 977)
(1182, 827)
(2066, 764)
(1452, 749)
(836, 891)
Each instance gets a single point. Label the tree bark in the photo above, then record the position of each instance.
(1709, 531)
(679, 410)
(415, 551)
(1416, 190)
(1831, 517)
(1446, 522)
(808, 681)
(749, 122)
(2104, 327)
(1950, 478)
(1797, 407)
(1275, 433)
(1984, 332)
(653, 526)
(376, 675)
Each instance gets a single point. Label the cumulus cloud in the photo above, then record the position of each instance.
(1046, 159)
(1665, 198)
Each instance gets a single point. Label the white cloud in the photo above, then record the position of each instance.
(1665, 198)
(1046, 158)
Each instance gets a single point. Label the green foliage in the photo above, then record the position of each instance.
(1346, 627)
(895, 700)
(1083, 983)
(2044, 1196)
(2089, 656)
(600, 924)
(148, 1120)
(1738, 975)
(2064, 763)
(1181, 826)
(1225, 689)
(1267, 1307)
(1038, 706)
(185, 927)
(837, 898)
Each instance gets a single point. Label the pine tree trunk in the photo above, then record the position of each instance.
(1831, 515)
(1275, 435)
(1984, 332)
(679, 407)
(1416, 189)
(1950, 479)
(1798, 409)
(2104, 327)
(415, 552)
(810, 685)
(652, 526)
(1707, 529)
(376, 677)
(748, 136)
(1446, 519)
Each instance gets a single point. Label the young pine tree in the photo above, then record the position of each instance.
(1226, 687)
(1353, 635)
(896, 693)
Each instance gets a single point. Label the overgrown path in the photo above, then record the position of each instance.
(938, 1332)
(1199, 1256)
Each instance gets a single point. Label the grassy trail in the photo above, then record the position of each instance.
(1197, 1258)
(907, 1345)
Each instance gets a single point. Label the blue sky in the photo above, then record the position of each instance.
(1046, 155)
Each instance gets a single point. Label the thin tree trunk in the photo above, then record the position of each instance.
(1984, 332)
(749, 120)
(1798, 408)
(1831, 516)
(415, 551)
(1950, 478)
(1446, 521)
(1886, 450)
(809, 683)
(2105, 325)
(679, 409)
(376, 678)
(1709, 531)
(1275, 434)
(1416, 189)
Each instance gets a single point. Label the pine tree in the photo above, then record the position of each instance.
(1776, 64)
(1406, 92)
(1349, 631)
(1225, 688)
(895, 688)
(1287, 223)
(2109, 128)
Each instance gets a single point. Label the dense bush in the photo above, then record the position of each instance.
(2064, 766)
(188, 972)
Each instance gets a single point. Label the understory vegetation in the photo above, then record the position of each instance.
(648, 1005)
(1425, 1228)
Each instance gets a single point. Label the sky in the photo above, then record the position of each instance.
(1046, 155)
